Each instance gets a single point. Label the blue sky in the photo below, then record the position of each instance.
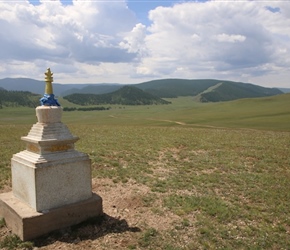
(142, 7)
(119, 41)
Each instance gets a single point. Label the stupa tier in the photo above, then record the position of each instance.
(49, 134)
(62, 175)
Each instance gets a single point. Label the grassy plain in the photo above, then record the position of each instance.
(222, 170)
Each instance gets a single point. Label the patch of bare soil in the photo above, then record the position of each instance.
(127, 214)
(6, 188)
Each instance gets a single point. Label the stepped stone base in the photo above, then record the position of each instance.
(29, 224)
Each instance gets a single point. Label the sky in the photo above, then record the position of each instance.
(133, 41)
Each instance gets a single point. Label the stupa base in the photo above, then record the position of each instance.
(29, 224)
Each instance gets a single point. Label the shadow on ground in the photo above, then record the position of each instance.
(89, 230)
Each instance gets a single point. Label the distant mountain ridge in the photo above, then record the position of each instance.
(101, 88)
(37, 86)
(205, 90)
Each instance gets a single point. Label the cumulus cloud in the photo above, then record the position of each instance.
(134, 40)
(215, 38)
(86, 31)
(101, 41)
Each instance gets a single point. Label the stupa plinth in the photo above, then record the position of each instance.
(50, 179)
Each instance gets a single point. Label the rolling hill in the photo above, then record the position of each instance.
(127, 95)
(170, 88)
(207, 90)
(204, 90)
(227, 91)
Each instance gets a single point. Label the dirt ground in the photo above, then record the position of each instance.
(126, 216)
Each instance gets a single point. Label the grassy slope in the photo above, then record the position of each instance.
(269, 113)
(260, 113)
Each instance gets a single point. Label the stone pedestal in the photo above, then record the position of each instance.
(50, 180)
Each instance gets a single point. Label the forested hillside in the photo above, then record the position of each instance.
(18, 98)
(127, 95)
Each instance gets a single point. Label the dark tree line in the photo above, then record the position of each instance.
(85, 108)
(18, 98)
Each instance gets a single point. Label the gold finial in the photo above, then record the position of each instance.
(48, 79)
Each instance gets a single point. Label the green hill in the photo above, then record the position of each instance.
(271, 113)
(207, 90)
(227, 91)
(127, 95)
(171, 88)
(18, 98)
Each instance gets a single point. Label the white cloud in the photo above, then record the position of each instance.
(101, 41)
(235, 40)
(230, 38)
(83, 32)
(134, 40)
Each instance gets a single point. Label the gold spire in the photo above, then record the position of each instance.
(48, 79)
